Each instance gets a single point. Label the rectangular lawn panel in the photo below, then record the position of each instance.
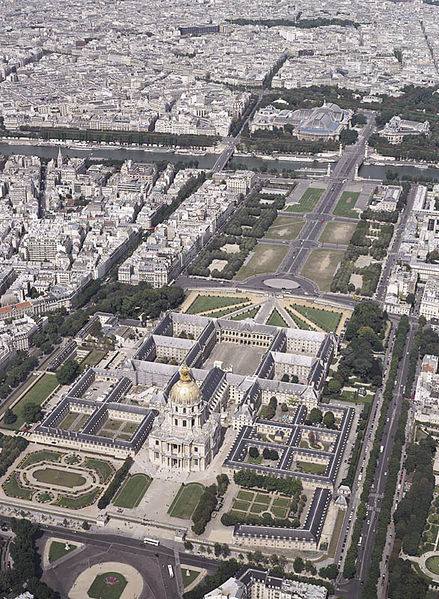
(249, 314)
(346, 203)
(326, 320)
(37, 395)
(68, 421)
(241, 505)
(285, 227)
(258, 508)
(202, 303)
(308, 201)
(266, 258)
(245, 495)
(281, 502)
(262, 498)
(93, 358)
(279, 512)
(186, 501)
(132, 491)
(311, 468)
(321, 266)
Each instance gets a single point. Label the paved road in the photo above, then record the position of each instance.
(353, 588)
(102, 543)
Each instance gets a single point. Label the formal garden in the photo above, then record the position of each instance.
(59, 478)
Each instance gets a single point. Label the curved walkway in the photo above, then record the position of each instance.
(84, 581)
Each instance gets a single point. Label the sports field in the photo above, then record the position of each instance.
(307, 202)
(266, 258)
(321, 266)
(186, 501)
(346, 204)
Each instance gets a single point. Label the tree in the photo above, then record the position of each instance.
(217, 548)
(67, 373)
(285, 378)
(315, 416)
(334, 386)
(188, 545)
(410, 299)
(32, 412)
(294, 378)
(330, 572)
(9, 417)
(86, 525)
(253, 452)
(298, 565)
(284, 407)
(329, 420)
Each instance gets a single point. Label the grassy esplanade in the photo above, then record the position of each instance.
(346, 204)
(326, 320)
(37, 395)
(132, 491)
(308, 201)
(266, 258)
(432, 564)
(285, 228)
(321, 266)
(202, 303)
(186, 501)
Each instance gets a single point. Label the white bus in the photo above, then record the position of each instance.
(151, 541)
(171, 571)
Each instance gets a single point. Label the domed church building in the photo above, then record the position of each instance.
(186, 436)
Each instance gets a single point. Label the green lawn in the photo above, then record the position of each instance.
(325, 319)
(249, 314)
(310, 468)
(58, 550)
(432, 564)
(346, 203)
(112, 425)
(281, 502)
(266, 258)
(285, 227)
(308, 201)
(188, 578)
(262, 498)
(321, 266)
(258, 508)
(132, 491)
(130, 427)
(14, 489)
(102, 467)
(41, 456)
(279, 512)
(241, 505)
(102, 590)
(186, 501)
(202, 303)
(299, 322)
(58, 476)
(68, 420)
(36, 394)
(276, 320)
(77, 503)
(93, 358)
(225, 311)
(245, 495)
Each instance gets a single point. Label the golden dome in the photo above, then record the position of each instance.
(185, 392)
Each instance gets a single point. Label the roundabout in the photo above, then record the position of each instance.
(108, 580)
